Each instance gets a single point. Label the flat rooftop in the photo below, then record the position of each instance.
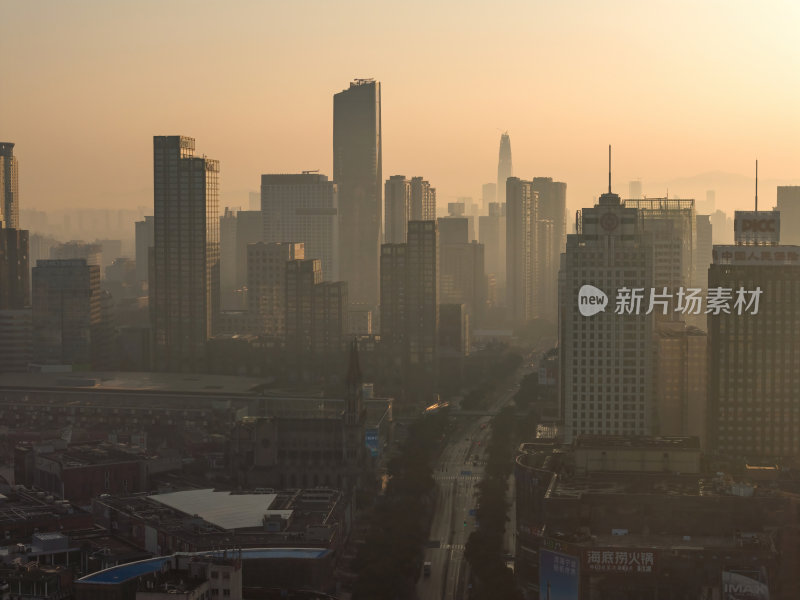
(322, 408)
(174, 581)
(631, 483)
(138, 382)
(85, 455)
(223, 509)
(129, 571)
(675, 542)
(634, 442)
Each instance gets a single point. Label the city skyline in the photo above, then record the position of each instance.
(366, 351)
(716, 103)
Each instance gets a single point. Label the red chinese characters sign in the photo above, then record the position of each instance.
(619, 561)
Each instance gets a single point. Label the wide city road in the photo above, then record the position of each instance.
(457, 472)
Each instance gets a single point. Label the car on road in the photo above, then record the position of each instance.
(426, 568)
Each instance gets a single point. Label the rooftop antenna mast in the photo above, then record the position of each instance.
(609, 168)
(756, 185)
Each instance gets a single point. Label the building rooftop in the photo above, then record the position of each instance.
(90, 454)
(173, 581)
(40, 544)
(24, 510)
(679, 332)
(630, 483)
(226, 510)
(129, 571)
(133, 381)
(322, 408)
(675, 543)
(633, 441)
(206, 519)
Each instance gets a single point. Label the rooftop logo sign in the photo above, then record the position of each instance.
(760, 227)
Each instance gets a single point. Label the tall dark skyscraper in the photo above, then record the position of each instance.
(357, 170)
(702, 250)
(423, 200)
(15, 297)
(754, 357)
(9, 187)
(522, 207)
(410, 300)
(303, 208)
(407, 200)
(67, 314)
(462, 276)
(504, 167)
(789, 207)
(14, 269)
(184, 273)
(266, 285)
(302, 276)
(144, 241)
(551, 236)
(398, 209)
(488, 194)
(315, 312)
(492, 234)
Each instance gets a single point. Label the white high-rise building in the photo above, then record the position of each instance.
(303, 208)
(672, 223)
(606, 358)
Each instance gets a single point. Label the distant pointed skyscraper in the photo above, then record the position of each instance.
(504, 167)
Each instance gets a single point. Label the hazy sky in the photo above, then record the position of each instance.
(679, 89)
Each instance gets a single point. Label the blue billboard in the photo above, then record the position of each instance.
(558, 576)
(372, 439)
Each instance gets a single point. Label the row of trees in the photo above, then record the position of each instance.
(484, 371)
(388, 562)
(485, 552)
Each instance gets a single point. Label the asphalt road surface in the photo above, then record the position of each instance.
(456, 476)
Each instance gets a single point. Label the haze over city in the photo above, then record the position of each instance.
(689, 94)
(420, 301)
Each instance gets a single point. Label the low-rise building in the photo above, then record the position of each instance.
(108, 400)
(302, 442)
(205, 519)
(637, 517)
(290, 572)
(24, 513)
(78, 473)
